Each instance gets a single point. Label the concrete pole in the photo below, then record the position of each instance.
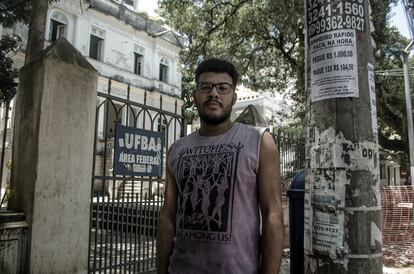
(342, 230)
(52, 158)
(405, 55)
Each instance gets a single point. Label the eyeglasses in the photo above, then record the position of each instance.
(222, 88)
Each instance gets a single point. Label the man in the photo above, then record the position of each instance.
(222, 211)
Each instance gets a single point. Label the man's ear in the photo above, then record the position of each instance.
(234, 98)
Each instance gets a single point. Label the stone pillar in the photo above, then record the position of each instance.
(52, 158)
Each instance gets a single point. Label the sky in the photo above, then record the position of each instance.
(398, 18)
(149, 6)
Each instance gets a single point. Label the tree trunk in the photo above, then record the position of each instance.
(37, 28)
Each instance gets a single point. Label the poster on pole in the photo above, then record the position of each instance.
(332, 27)
(334, 67)
(138, 152)
(324, 215)
(373, 99)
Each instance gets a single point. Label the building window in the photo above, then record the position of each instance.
(57, 26)
(138, 63)
(96, 47)
(57, 30)
(96, 44)
(163, 70)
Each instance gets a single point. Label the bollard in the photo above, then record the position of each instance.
(296, 195)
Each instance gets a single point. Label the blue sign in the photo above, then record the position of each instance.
(138, 152)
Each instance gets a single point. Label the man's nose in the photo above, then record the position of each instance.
(214, 91)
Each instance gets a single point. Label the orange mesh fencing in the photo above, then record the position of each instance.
(397, 225)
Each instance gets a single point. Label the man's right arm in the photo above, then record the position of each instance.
(166, 225)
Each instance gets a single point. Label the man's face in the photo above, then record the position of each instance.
(214, 106)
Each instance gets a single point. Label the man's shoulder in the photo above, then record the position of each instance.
(184, 139)
(252, 129)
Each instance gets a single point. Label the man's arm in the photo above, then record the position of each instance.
(269, 190)
(166, 225)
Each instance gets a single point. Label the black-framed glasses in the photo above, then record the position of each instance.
(222, 88)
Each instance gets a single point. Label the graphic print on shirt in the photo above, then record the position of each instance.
(206, 186)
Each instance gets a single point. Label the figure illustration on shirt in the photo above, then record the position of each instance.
(221, 188)
(205, 190)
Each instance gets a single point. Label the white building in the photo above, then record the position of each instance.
(247, 97)
(123, 45)
(118, 41)
(268, 105)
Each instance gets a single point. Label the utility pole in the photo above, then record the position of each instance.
(409, 109)
(409, 8)
(342, 198)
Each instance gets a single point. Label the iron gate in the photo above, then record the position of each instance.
(125, 209)
(292, 156)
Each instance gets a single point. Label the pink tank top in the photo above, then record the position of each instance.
(217, 221)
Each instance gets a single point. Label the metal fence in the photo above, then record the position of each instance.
(125, 209)
(5, 161)
(292, 156)
(397, 225)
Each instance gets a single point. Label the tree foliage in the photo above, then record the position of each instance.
(393, 134)
(263, 38)
(9, 44)
(11, 12)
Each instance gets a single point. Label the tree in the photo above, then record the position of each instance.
(8, 44)
(37, 28)
(265, 40)
(390, 84)
(393, 134)
(10, 13)
(27, 11)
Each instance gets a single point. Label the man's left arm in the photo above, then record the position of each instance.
(270, 200)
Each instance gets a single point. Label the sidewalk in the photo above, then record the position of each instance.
(285, 266)
(405, 270)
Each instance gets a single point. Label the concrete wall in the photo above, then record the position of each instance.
(52, 157)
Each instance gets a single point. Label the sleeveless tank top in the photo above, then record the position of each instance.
(217, 220)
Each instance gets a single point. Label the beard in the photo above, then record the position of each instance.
(212, 119)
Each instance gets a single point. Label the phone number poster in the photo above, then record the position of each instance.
(334, 67)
